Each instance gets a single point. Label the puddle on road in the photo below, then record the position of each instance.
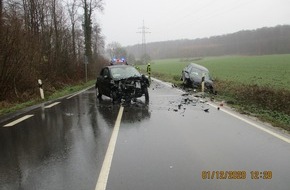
(178, 102)
(134, 111)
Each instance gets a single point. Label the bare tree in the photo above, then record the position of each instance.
(115, 50)
(1, 8)
(72, 10)
(98, 42)
(1, 16)
(89, 6)
(37, 42)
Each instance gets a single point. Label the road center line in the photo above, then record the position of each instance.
(51, 105)
(18, 121)
(255, 125)
(104, 173)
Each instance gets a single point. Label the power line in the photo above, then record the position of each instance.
(143, 30)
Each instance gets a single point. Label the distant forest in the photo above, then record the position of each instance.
(267, 40)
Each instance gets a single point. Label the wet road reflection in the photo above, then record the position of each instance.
(185, 136)
(59, 148)
(165, 144)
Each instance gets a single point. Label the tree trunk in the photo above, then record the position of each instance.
(88, 31)
(1, 7)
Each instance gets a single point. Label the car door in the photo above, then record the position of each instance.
(104, 81)
(107, 81)
(187, 71)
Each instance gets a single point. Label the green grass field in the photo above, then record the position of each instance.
(268, 70)
(256, 85)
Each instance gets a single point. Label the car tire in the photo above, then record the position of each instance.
(184, 81)
(114, 97)
(146, 94)
(213, 91)
(98, 92)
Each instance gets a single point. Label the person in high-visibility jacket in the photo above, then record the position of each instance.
(149, 71)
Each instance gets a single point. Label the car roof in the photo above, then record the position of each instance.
(118, 66)
(198, 67)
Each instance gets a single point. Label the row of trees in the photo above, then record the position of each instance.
(271, 40)
(116, 50)
(48, 40)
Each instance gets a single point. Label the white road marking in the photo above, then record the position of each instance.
(79, 93)
(18, 121)
(104, 174)
(51, 105)
(254, 125)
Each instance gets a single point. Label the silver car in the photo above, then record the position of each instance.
(192, 76)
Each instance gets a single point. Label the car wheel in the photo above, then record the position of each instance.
(213, 91)
(99, 94)
(146, 94)
(184, 80)
(114, 97)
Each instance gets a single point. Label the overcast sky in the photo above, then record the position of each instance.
(187, 19)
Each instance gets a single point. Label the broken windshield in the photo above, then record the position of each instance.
(124, 72)
(198, 73)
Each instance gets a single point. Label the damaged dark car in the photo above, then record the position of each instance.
(192, 76)
(122, 82)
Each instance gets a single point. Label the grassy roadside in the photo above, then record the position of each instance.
(6, 108)
(253, 85)
(264, 70)
(267, 104)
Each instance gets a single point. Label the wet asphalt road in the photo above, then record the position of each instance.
(165, 145)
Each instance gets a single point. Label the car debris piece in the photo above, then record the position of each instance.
(202, 101)
(185, 94)
(206, 110)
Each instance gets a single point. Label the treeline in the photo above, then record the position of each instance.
(272, 40)
(47, 40)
